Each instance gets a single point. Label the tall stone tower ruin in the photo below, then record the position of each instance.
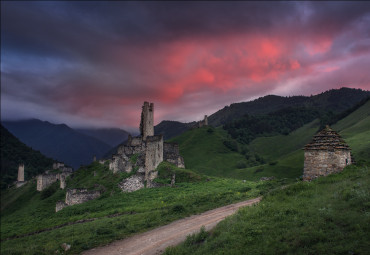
(205, 120)
(21, 173)
(143, 154)
(146, 123)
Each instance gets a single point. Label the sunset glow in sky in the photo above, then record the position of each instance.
(94, 63)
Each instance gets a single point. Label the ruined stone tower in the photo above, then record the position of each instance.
(21, 173)
(146, 123)
(327, 153)
(143, 154)
(203, 122)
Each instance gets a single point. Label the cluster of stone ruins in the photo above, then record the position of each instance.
(59, 173)
(141, 155)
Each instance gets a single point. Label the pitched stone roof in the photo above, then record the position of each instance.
(327, 139)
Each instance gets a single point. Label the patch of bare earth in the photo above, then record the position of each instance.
(157, 240)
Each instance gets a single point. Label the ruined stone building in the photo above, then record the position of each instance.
(203, 122)
(144, 153)
(327, 153)
(60, 172)
(20, 180)
(77, 196)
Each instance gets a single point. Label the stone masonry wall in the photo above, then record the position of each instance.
(58, 165)
(171, 153)
(76, 196)
(79, 196)
(153, 154)
(117, 164)
(45, 180)
(147, 123)
(322, 162)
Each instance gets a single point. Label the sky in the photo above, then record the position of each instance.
(93, 64)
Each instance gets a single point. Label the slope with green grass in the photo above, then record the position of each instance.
(355, 129)
(13, 153)
(204, 152)
(327, 216)
(115, 215)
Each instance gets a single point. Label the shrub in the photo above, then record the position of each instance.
(178, 208)
(197, 238)
(231, 144)
(133, 159)
(210, 130)
(259, 169)
(48, 192)
(241, 164)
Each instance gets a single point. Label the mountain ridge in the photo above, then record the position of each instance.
(334, 100)
(57, 141)
(14, 152)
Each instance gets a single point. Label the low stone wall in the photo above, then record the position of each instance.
(79, 196)
(322, 162)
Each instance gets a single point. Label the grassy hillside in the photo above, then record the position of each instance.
(14, 152)
(327, 216)
(274, 147)
(171, 129)
(204, 152)
(282, 155)
(335, 100)
(355, 129)
(115, 215)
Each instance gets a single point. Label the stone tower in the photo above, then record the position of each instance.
(205, 120)
(21, 173)
(327, 153)
(146, 123)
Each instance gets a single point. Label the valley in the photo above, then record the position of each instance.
(220, 171)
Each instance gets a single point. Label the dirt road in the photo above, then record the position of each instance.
(157, 240)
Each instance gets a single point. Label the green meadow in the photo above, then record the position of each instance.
(329, 215)
(115, 215)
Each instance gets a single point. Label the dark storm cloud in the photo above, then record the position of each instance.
(93, 61)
